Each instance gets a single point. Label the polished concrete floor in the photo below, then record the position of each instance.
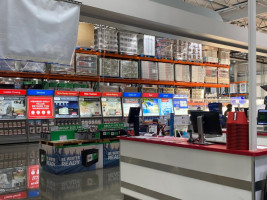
(21, 179)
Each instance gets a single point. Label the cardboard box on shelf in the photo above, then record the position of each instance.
(197, 93)
(182, 73)
(127, 42)
(180, 50)
(197, 74)
(211, 75)
(166, 71)
(223, 76)
(85, 37)
(146, 44)
(149, 70)
(183, 91)
(164, 48)
(106, 39)
(86, 64)
(128, 69)
(109, 67)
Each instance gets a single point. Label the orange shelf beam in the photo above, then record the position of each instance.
(238, 82)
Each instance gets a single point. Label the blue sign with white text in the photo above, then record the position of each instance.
(40, 92)
(165, 95)
(132, 94)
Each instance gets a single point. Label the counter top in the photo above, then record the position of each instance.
(182, 142)
(260, 133)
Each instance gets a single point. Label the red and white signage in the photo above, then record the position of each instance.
(164, 100)
(33, 177)
(40, 107)
(12, 92)
(20, 195)
(151, 95)
(111, 94)
(90, 94)
(66, 93)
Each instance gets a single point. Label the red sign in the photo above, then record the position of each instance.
(66, 93)
(164, 100)
(111, 94)
(33, 177)
(12, 92)
(40, 107)
(90, 94)
(20, 195)
(153, 95)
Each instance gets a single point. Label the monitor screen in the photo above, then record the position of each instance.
(66, 107)
(262, 117)
(90, 107)
(150, 107)
(165, 106)
(211, 123)
(127, 103)
(111, 107)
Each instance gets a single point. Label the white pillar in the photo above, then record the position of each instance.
(252, 75)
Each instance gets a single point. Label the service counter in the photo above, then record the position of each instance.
(170, 168)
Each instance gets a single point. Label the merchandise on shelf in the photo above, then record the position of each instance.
(211, 75)
(85, 37)
(62, 69)
(180, 50)
(129, 69)
(127, 42)
(168, 90)
(223, 76)
(129, 89)
(224, 56)
(105, 88)
(183, 91)
(106, 39)
(150, 89)
(233, 88)
(9, 65)
(210, 54)
(197, 74)
(86, 64)
(166, 71)
(12, 127)
(149, 70)
(109, 67)
(195, 52)
(243, 88)
(197, 94)
(182, 73)
(32, 67)
(146, 45)
(164, 48)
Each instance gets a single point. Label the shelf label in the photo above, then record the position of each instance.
(131, 94)
(12, 92)
(40, 92)
(166, 96)
(90, 94)
(40, 107)
(66, 93)
(153, 95)
(20, 195)
(111, 94)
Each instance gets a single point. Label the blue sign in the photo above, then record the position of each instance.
(33, 193)
(179, 96)
(40, 92)
(165, 95)
(132, 94)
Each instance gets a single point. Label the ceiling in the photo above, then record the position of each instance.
(235, 11)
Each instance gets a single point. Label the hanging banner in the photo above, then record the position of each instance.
(40, 31)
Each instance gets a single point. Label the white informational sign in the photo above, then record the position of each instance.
(111, 107)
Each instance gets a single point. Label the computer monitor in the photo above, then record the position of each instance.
(262, 117)
(133, 118)
(246, 111)
(206, 123)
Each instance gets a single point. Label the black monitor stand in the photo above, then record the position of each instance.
(136, 125)
(201, 135)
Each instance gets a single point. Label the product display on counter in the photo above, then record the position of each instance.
(166, 71)
(149, 70)
(127, 42)
(128, 69)
(66, 107)
(182, 73)
(86, 64)
(109, 67)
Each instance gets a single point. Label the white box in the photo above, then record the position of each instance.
(198, 74)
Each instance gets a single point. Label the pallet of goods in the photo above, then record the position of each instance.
(86, 64)
(182, 73)
(166, 71)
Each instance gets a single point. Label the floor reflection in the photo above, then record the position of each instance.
(20, 178)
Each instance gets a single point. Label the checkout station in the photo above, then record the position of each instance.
(193, 164)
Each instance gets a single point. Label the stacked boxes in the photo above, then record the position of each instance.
(183, 91)
(9, 65)
(211, 75)
(32, 67)
(210, 54)
(127, 42)
(168, 90)
(106, 39)
(180, 50)
(166, 71)
(194, 52)
(182, 73)
(224, 56)
(109, 67)
(198, 74)
(129, 69)
(197, 94)
(149, 70)
(146, 45)
(86, 64)
(153, 89)
(62, 69)
(164, 48)
(223, 76)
